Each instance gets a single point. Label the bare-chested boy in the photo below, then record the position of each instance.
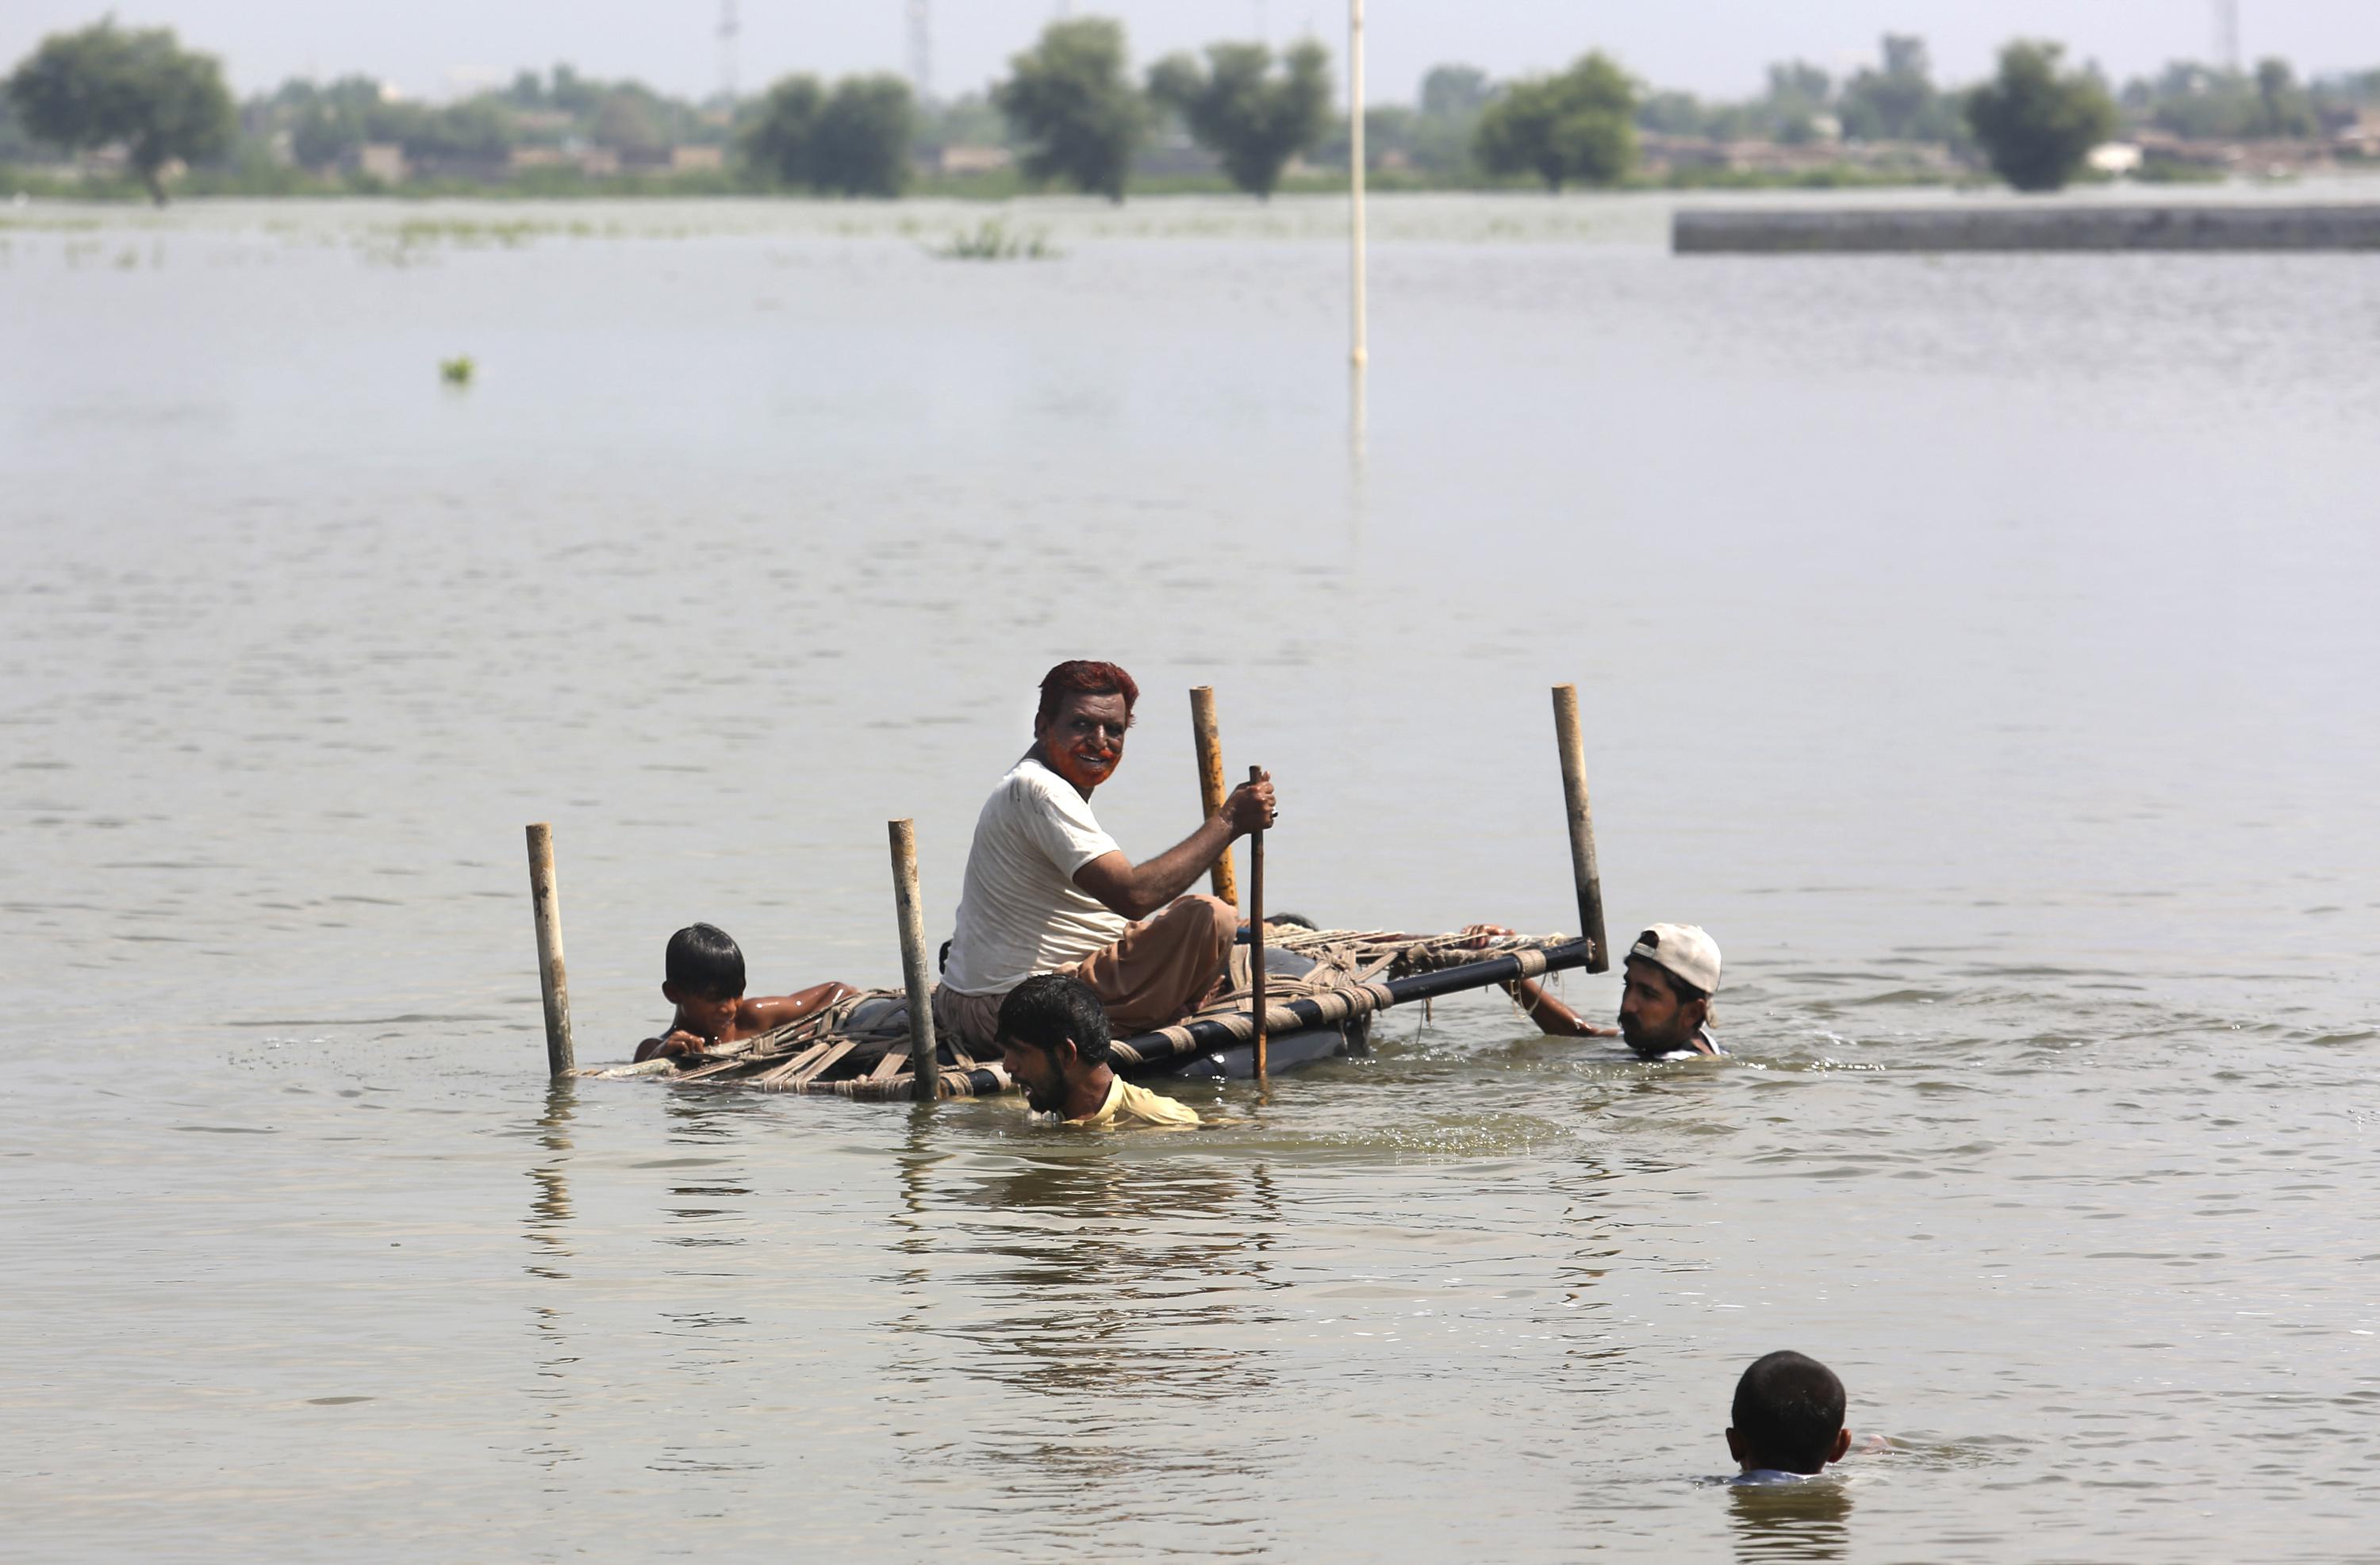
(705, 981)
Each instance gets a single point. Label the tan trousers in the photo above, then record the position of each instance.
(1153, 975)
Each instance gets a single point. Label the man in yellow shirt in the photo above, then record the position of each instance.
(1053, 1038)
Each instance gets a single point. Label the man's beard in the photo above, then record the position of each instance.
(1034, 1098)
(1634, 1034)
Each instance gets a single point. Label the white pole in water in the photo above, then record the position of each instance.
(544, 904)
(916, 977)
(1360, 350)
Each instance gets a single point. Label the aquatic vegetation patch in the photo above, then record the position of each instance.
(992, 239)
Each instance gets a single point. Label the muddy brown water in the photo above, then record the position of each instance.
(1982, 648)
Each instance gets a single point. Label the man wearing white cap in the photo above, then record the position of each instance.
(1673, 971)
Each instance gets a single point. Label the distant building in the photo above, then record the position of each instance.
(2164, 147)
(967, 159)
(383, 161)
(599, 162)
(697, 160)
(540, 157)
(2115, 157)
(1666, 155)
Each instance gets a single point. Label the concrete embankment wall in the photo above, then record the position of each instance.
(2075, 227)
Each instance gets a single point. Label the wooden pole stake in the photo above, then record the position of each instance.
(915, 975)
(1209, 740)
(1256, 932)
(545, 905)
(1583, 873)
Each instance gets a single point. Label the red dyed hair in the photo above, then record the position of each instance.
(1087, 679)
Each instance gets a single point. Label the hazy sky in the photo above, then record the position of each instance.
(432, 48)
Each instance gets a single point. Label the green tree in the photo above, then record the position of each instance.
(1575, 125)
(626, 124)
(968, 120)
(2036, 123)
(1252, 119)
(467, 136)
(14, 145)
(1069, 102)
(780, 140)
(854, 140)
(1897, 102)
(571, 92)
(101, 87)
(2196, 102)
(327, 124)
(861, 143)
(2286, 111)
(1453, 98)
(1449, 91)
(1798, 94)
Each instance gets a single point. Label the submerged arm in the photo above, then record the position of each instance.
(1552, 1017)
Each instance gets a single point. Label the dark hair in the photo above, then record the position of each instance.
(704, 963)
(1049, 1008)
(1085, 679)
(1789, 1408)
(1686, 991)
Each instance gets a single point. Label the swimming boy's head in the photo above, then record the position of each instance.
(1053, 1036)
(1788, 1415)
(705, 979)
(1673, 971)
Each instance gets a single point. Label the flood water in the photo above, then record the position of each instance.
(1983, 648)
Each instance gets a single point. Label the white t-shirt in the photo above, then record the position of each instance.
(1020, 912)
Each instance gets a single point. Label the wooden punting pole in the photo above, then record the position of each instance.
(546, 906)
(915, 975)
(1209, 741)
(1583, 873)
(1257, 932)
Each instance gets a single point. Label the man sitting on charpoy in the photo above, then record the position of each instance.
(1047, 892)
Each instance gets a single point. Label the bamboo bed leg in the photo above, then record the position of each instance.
(1584, 872)
(1209, 740)
(1257, 932)
(560, 1059)
(914, 975)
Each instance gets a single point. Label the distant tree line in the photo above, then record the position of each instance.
(1075, 114)
(327, 126)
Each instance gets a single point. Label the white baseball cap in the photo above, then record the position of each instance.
(1682, 950)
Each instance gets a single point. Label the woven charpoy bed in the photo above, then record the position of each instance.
(1321, 989)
